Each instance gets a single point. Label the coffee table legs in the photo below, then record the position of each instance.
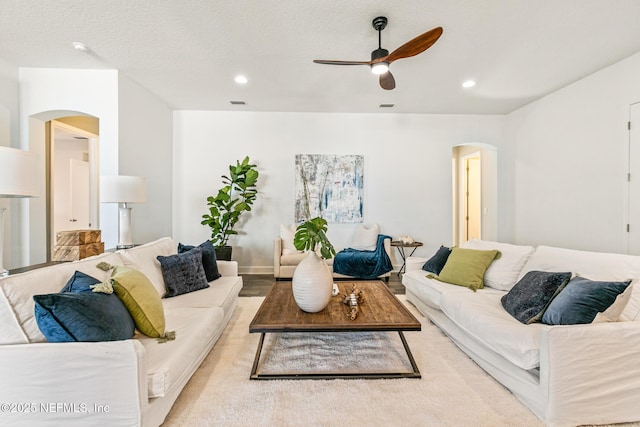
(337, 375)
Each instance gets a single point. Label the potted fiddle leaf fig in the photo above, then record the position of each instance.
(236, 197)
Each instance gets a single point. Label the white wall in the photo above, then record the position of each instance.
(407, 178)
(569, 154)
(145, 149)
(9, 107)
(91, 92)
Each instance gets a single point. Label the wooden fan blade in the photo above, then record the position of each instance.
(416, 45)
(322, 61)
(387, 81)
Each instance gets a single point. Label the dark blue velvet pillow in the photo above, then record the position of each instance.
(530, 297)
(581, 300)
(209, 261)
(436, 263)
(183, 273)
(78, 314)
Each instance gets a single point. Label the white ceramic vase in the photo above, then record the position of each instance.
(312, 283)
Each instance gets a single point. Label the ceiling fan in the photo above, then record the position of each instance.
(381, 58)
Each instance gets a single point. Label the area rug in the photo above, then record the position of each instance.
(453, 390)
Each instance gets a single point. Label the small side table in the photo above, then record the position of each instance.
(401, 247)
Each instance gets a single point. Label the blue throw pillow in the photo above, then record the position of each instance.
(183, 273)
(78, 314)
(581, 300)
(209, 261)
(436, 263)
(530, 297)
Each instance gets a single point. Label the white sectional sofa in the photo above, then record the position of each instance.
(566, 374)
(116, 383)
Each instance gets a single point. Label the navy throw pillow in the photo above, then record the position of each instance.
(530, 297)
(581, 300)
(78, 314)
(183, 273)
(209, 261)
(436, 263)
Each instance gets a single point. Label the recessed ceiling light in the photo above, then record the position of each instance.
(80, 47)
(241, 80)
(468, 84)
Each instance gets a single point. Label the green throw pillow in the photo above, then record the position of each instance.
(141, 299)
(466, 267)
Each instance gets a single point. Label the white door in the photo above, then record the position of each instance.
(634, 181)
(79, 194)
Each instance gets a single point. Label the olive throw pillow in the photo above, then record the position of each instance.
(142, 301)
(466, 267)
(530, 297)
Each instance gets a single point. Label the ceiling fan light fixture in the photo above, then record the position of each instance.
(379, 68)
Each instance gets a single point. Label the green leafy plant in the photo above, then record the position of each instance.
(311, 234)
(233, 199)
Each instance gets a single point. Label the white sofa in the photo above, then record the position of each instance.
(284, 264)
(567, 375)
(117, 383)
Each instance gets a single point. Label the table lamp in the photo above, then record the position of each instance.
(123, 190)
(18, 178)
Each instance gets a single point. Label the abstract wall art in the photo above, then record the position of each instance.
(334, 185)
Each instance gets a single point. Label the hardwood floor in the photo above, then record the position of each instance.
(257, 285)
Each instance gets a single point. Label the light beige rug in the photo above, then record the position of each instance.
(453, 390)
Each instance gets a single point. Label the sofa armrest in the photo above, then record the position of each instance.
(585, 368)
(227, 268)
(73, 384)
(415, 263)
(277, 254)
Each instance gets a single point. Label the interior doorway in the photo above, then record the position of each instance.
(633, 180)
(72, 184)
(475, 183)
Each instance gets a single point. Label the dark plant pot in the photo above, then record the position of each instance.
(223, 253)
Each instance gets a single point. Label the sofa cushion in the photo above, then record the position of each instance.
(78, 314)
(530, 297)
(437, 261)
(183, 273)
(483, 318)
(141, 299)
(503, 272)
(168, 363)
(224, 294)
(581, 300)
(209, 261)
(19, 290)
(428, 289)
(365, 238)
(287, 234)
(466, 267)
(292, 259)
(143, 258)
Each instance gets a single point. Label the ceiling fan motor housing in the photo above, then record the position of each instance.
(379, 53)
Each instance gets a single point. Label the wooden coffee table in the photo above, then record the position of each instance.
(381, 311)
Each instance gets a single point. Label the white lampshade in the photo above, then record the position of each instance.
(123, 189)
(18, 173)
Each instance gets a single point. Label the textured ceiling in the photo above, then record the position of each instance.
(187, 52)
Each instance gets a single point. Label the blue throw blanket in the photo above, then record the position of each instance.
(363, 264)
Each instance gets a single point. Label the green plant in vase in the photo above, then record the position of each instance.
(233, 199)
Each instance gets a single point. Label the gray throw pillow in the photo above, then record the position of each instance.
(183, 273)
(436, 262)
(530, 297)
(581, 300)
(209, 261)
